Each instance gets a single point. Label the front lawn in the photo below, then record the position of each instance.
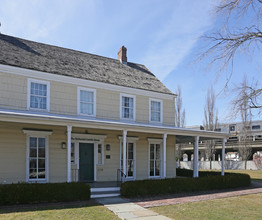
(240, 207)
(90, 211)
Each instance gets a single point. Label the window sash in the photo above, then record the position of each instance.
(155, 111)
(154, 160)
(87, 102)
(37, 158)
(127, 107)
(38, 96)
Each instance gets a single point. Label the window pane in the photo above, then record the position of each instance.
(41, 142)
(130, 168)
(157, 151)
(33, 152)
(32, 174)
(41, 152)
(151, 168)
(41, 163)
(41, 173)
(157, 169)
(99, 154)
(72, 152)
(33, 142)
(86, 96)
(86, 108)
(32, 164)
(151, 151)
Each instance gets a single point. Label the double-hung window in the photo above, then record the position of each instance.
(37, 155)
(155, 110)
(38, 95)
(127, 107)
(86, 101)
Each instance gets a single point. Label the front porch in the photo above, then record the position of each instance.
(89, 150)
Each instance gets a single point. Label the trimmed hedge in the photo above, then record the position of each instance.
(22, 193)
(189, 173)
(178, 185)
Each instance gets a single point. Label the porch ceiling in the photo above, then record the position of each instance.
(183, 134)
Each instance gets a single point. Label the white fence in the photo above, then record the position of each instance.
(216, 165)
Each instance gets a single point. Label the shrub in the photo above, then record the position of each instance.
(189, 173)
(22, 193)
(178, 185)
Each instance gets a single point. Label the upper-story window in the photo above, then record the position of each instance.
(255, 127)
(127, 107)
(155, 110)
(38, 95)
(86, 101)
(232, 128)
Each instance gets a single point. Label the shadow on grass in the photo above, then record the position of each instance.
(47, 206)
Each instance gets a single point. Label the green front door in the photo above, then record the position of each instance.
(86, 162)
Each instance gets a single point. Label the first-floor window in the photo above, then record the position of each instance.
(72, 153)
(100, 154)
(37, 158)
(154, 160)
(130, 154)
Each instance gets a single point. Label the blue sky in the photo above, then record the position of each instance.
(163, 35)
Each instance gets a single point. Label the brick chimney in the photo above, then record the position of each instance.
(122, 55)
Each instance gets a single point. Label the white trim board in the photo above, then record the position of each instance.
(8, 115)
(81, 82)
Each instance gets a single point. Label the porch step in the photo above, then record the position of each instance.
(105, 192)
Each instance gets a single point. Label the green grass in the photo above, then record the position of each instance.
(93, 211)
(241, 207)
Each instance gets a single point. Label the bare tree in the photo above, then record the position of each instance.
(180, 116)
(245, 149)
(210, 123)
(233, 38)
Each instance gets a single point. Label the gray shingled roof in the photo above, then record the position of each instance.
(46, 58)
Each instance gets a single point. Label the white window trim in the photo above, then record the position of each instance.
(78, 101)
(134, 110)
(131, 140)
(47, 83)
(160, 142)
(161, 110)
(38, 134)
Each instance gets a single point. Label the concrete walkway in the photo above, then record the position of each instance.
(128, 210)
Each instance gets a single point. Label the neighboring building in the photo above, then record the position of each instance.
(67, 115)
(233, 141)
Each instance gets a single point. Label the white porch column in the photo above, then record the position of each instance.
(69, 130)
(164, 155)
(124, 151)
(223, 157)
(195, 173)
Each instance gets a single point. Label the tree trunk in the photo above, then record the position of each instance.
(210, 164)
(245, 164)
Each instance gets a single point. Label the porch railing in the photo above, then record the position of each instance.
(120, 176)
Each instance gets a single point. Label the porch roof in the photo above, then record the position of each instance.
(183, 134)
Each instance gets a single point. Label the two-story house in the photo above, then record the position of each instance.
(67, 115)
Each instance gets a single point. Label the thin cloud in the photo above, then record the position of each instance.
(176, 38)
